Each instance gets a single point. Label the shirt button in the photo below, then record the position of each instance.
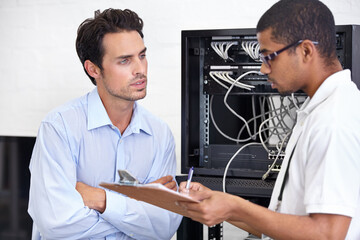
(113, 127)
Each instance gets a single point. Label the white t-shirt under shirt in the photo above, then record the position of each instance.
(325, 167)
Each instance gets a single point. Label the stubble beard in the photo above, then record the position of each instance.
(282, 92)
(126, 93)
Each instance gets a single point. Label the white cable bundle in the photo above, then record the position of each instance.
(284, 110)
(221, 51)
(225, 76)
(252, 49)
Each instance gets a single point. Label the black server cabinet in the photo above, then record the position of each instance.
(348, 49)
(206, 119)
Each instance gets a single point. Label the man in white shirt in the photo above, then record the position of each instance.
(318, 197)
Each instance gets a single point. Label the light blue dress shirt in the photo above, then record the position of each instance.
(78, 142)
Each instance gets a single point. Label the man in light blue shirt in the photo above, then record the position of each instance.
(84, 142)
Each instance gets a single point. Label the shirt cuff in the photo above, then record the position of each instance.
(115, 206)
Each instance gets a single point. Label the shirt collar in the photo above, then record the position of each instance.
(325, 90)
(98, 117)
(139, 121)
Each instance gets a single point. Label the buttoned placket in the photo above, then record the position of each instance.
(119, 162)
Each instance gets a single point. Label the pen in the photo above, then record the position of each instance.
(191, 171)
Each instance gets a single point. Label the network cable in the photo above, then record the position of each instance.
(252, 49)
(222, 48)
(276, 114)
(232, 158)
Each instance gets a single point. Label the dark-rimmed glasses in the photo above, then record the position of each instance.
(271, 56)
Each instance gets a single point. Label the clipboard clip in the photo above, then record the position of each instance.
(126, 178)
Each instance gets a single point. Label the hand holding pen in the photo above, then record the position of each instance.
(185, 188)
(189, 187)
(191, 172)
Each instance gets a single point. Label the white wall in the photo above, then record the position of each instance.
(39, 68)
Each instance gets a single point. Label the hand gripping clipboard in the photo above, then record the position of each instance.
(152, 193)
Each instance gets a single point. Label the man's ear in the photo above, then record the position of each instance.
(92, 69)
(308, 50)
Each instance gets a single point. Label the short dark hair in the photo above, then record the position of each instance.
(293, 20)
(91, 32)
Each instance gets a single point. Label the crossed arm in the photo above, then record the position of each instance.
(216, 207)
(95, 198)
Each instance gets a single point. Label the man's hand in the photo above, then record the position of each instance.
(194, 186)
(94, 198)
(214, 207)
(167, 181)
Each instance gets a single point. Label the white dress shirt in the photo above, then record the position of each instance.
(324, 170)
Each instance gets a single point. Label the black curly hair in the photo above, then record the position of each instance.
(293, 20)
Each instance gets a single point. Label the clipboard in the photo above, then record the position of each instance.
(152, 193)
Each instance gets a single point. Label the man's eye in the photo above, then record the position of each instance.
(142, 56)
(124, 61)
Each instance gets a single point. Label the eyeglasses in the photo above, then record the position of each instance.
(271, 56)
